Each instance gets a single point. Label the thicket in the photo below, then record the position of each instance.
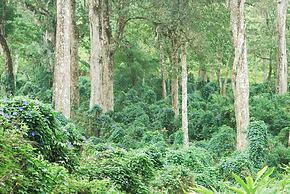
(138, 147)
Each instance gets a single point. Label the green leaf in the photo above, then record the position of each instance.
(241, 182)
(261, 172)
(237, 190)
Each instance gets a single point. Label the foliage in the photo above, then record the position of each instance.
(257, 143)
(223, 142)
(56, 142)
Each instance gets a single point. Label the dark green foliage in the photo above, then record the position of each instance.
(58, 143)
(223, 142)
(130, 171)
(173, 179)
(272, 109)
(237, 163)
(257, 147)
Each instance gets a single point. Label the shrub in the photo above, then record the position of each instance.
(129, 171)
(57, 143)
(173, 179)
(22, 170)
(222, 142)
(257, 147)
(238, 163)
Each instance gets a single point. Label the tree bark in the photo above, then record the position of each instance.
(240, 72)
(282, 55)
(163, 74)
(174, 86)
(95, 53)
(184, 97)
(10, 88)
(75, 92)
(101, 61)
(107, 56)
(62, 71)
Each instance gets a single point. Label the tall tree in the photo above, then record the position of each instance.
(184, 97)
(64, 57)
(175, 76)
(240, 80)
(282, 55)
(10, 77)
(75, 92)
(94, 7)
(105, 45)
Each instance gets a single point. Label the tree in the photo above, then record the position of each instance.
(65, 42)
(282, 55)
(240, 80)
(95, 56)
(10, 77)
(75, 92)
(184, 97)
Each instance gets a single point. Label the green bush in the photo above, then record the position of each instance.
(257, 147)
(22, 170)
(55, 142)
(237, 163)
(128, 170)
(222, 142)
(173, 179)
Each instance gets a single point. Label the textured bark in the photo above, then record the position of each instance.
(163, 73)
(10, 88)
(75, 92)
(63, 55)
(101, 61)
(240, 72)
(174, 86)
(184, 97)
(95, 58)
(107, 56)
(282, 55)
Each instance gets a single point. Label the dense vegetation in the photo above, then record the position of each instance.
(90, 99)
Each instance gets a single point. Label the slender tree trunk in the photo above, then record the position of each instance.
(62, 71)
(163, 74)
(184, 97)
(10, 76)
(75, 92)
(240, 72)
(10, 88)
(282, 55)
(107, 56)
(174, 86)
(95, 58)
(269, 77)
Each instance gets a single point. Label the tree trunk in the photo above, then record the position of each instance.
(270, 67)
(75, 92)
(282, 55)
(10, 76)
(10, 88)
(107, 56)
(95, 58)
(101, 61)
(184, 97)
(174, 86)
(240, 73)
(62, 71)
(163, 74)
